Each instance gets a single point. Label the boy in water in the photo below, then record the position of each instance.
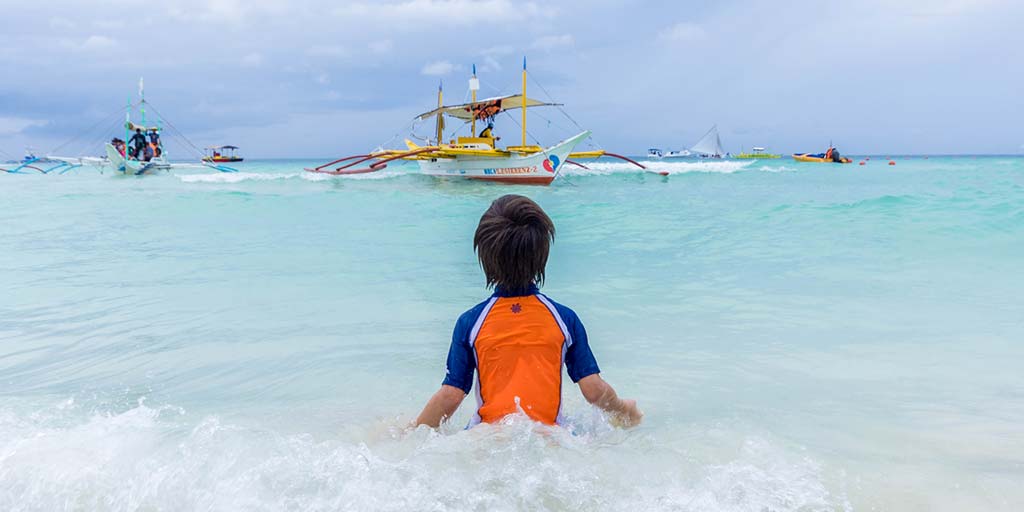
(517, 340)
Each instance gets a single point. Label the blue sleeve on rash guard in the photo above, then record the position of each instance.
(579, 360)
(461, 362)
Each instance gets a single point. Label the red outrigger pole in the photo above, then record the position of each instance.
(634, 162)
(620, 157)
(358, 159)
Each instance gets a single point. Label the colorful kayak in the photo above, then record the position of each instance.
(818, 158)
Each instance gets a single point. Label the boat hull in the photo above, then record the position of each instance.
(223, 159)
(523, 169)
(756, 156)
(134, 167)
(807, 157)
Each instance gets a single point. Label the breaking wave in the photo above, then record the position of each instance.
(240, 177)
(160, 458)
(605, 168)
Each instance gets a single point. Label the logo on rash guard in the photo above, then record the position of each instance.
(516, 308)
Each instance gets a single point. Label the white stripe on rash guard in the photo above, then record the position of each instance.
(480, 322)
(559, 419)
(476, 363)
(558, 318)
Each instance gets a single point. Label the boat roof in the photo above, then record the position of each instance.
(132, 126)
(222, 147)
(488, 107)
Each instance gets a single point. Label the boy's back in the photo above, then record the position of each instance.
(517, 341)
(517, 345)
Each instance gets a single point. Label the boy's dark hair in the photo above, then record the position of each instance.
(512, 242)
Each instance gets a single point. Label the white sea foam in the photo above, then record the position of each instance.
(241, 177)
(604, 168)
(159, 459)
(236, 177)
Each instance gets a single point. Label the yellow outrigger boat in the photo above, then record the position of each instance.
(757, 153)
(477, 158)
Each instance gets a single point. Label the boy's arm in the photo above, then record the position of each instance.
(601, 394)
(441, 406)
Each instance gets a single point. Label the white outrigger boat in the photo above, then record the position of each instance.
(121, 158)
(474, 157)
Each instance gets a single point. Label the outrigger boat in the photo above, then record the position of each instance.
(478, 158)
(217, 154)
(756, 153)
(830, 156)
(120, 158)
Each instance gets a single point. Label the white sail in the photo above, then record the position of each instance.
(710, 144)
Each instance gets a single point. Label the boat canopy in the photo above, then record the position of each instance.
(133, 126)
(222, 147)
(485, 108)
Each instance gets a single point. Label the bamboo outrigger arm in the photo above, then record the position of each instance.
(62, 166)
(381, 162)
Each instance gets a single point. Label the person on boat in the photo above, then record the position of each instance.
(118, 145)
(147, 152)
(488, 133)
(518, 340)
(154, 136)
(833, 155)
(138, 141)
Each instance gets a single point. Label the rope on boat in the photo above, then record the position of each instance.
(198, 152)
(110, 118)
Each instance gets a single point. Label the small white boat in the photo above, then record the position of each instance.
(677, 154)
(656, 153)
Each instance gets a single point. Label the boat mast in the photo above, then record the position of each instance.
(524, 101)
(440, 119)
(142, 103)
(127, 129)
(474, 84)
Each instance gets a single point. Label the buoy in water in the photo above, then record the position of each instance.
(861, 162)
(892, 162)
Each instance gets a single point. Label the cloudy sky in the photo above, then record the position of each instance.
(324, 78)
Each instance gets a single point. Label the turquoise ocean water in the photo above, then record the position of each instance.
(800, 337)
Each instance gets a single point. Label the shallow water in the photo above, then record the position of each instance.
(800, 337)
